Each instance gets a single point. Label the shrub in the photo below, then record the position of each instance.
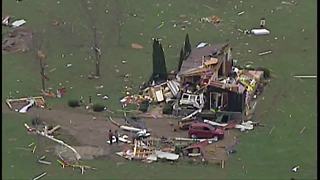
(73, 103)
(98, 107)
(36, 121)
(144, 106)
(167, 109)
(266, 72)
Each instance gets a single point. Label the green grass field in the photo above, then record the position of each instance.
(288, 104)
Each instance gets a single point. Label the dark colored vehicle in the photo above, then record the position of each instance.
(204, 130)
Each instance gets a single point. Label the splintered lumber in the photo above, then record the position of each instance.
(211, 8)
(114, 122)
(34, 149)
(264, 53)
(61, 163)
(192, 114)
(222, 164)
(271, 130)
(302, 130)
(54, 129)
(306, 77)
(240, 13)
(40, 176)
(42, 157)
(44, 162)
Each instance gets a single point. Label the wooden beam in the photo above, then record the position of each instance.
(54, 129)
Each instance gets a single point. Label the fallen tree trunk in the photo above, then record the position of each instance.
(56, 140)
(61, 142)
(54, 129)
(114, 122)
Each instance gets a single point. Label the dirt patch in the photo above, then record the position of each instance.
(86, 152)
(91, 133)
(17, 40)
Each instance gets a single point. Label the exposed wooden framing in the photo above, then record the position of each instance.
(36, 98)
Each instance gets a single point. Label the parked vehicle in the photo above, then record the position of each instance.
(203, 130)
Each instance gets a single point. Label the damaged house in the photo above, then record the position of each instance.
(210, 82)
(209, 86)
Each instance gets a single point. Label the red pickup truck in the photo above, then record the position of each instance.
(204, 130)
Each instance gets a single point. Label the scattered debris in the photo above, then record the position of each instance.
(201, 45)
(5, 20)
(211, 19)
(287, 3)
(54, 129)
(136, 46)
(302, 130)
(240, 13)
(166, 155)
(265, 53)
(18, 23)
(259, 32)
(306, 77)
(271, 130)
(40, 176)
(295, 169)
(44, 162)
(160, 25)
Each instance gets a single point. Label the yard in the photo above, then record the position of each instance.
(62, 29)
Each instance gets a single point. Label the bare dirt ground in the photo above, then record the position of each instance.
(17, 40)
(90, 132)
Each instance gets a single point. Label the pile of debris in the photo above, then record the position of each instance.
(209, 86)
(7, 21)
(153, 149)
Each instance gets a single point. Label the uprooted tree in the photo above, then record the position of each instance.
(159, 64)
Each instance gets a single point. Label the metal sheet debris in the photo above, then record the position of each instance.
(166, 155)
(259, 32)
(18, 23)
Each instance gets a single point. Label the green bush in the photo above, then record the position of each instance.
(98, 107)
(167, 109)
(266, 72)
(73, 103)
(144, 106)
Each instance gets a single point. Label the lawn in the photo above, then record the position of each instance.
(287, 105)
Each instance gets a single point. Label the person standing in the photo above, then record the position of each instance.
(110, 136)
(262, 22)
(117, 136)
